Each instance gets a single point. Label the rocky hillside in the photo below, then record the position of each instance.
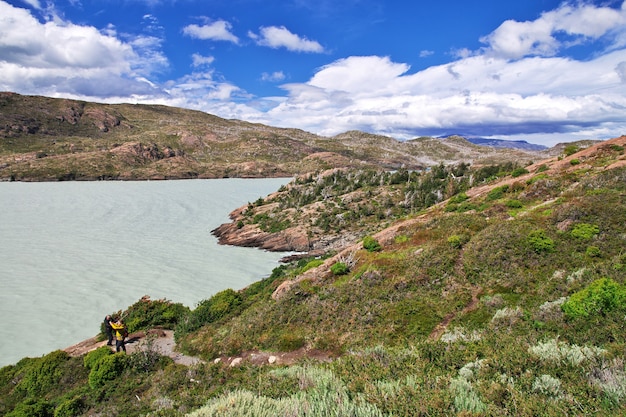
(47, 139)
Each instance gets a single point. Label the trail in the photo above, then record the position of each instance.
(473, 304)
(162, 341)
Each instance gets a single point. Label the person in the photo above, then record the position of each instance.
(108, 330)
(120, 335)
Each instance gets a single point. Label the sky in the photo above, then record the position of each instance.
(543, 71)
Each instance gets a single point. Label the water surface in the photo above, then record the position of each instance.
(71, 252)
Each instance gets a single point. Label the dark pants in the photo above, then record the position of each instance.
(109, 334)
(120, 344)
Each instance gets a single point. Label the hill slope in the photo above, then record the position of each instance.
(505, 299)
(46, 139)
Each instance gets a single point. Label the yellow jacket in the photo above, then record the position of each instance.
(120, 331)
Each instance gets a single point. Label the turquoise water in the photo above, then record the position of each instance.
(71, 252)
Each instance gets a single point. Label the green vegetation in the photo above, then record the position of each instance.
(455, 312)
(370, 244)
(601, 297)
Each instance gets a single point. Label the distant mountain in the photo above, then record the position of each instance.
(510, 144)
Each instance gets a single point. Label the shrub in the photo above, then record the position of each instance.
(584, 231)
(560, 352)
(570, 150)
(208, 311)
(497, 192)
(459, 198)
(599, 298)
(370, 244)
(514, 204)
(94, 356)
(107, 369)
(457, 241)
(539, 242)
(547, 385)
(147, 313)
(70, 408)
(43, 374)
(465, 399)
(32, 408)
(518, 172)
(339, 268)
(574, 161)
(593, 252)
(401, 239)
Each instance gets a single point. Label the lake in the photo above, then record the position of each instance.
(72, 252)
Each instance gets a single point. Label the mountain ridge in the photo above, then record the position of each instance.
(50, 139)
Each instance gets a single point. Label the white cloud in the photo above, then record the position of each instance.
(280, 37)
(476, 95)
(199, 60)
(35, 4)
(220, 30)
(273, 77)
(56, 58)
(514, 40)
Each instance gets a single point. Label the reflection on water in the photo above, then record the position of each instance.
(72, 252)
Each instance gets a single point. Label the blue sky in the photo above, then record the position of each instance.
(538, 70)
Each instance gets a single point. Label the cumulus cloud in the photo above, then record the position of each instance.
(542, 37)
(220, 30)
(280, 37)
(55, 57)
(479, 95)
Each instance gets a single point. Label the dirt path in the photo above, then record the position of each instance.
(162, 341)
(443, 325)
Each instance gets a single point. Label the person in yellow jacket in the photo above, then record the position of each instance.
(120, 334)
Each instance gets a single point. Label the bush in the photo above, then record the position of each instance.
(43, 374)
(497, 192)
(570, 150)
(370, 244)
(70, 408)
(457, 241)
(32, 408)
(459, 198)
(574, 161)
(208, 311)
(94, 356)
(339, 268)
(593, 252)
(539, 242)
(584, 231)
(147, 313)
(514, 204)
(599, 298)
(107, 369)
(518, 172)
